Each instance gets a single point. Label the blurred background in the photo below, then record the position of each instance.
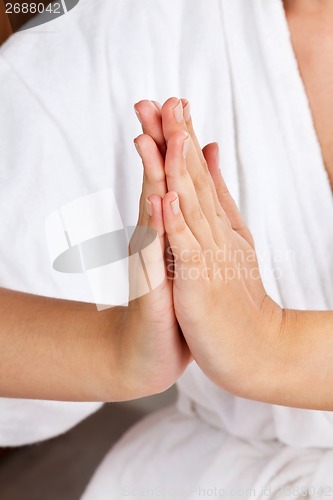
(60, 468)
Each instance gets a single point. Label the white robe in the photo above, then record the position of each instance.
(67, 127)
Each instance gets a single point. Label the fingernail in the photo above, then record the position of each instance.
(175, 205)
(157, 105)
(186, 146)
(149, 208)
(187, 112)
(178, 112)
(138, 115)
(138, 149)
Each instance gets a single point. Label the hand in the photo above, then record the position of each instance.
(153, 351)
(229, 322)
(160, 122)
(155, 311)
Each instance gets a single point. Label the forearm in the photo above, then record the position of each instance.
(59, 350)
(298, 369)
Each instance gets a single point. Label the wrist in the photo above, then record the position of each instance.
(258, 361)
(136, 364)
(123, 378)
(153, 354)
(271, 361)
(110, 331)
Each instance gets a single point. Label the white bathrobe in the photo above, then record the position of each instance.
(67, 127)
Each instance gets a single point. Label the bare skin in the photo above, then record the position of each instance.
(62, 350)
(240, 338)
(49, 350)
(310, 23)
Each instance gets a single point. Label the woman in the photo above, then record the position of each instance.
(209, 421)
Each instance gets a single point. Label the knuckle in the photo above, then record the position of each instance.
(204, 166)
(182, 171)
(200, 181)
(196, 260)
(155, 177)
(173, 172)
(191, 257)
(197, 214)
(179, 228)
(225, 192)
(225, 223)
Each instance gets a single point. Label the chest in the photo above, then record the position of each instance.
(313, 48)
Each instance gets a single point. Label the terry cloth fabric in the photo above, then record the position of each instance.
(67, 127)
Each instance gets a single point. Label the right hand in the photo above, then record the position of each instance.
(153, 351)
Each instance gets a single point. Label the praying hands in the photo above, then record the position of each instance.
(241, 339)
(210, 305)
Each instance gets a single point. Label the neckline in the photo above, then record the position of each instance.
(291, 54)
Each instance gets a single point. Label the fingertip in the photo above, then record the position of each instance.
(212, 148)
(170, 103)
(157, 105)
(141, 143)
(146, 110)
(144, 141)
(155, 214)
(170, 196)
(186, 110)
(216, 147)
(211, 153)
(137, 147)
(138, 139)
(216, 151)
(171, 203)
(138, 106)
(155, 199)
(150, 207)
(154, 205)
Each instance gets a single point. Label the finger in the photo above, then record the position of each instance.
(188, 256)
(149, 115)
(226, 200)
(179, 180)
(200, 153)
(211, 154)
(154, 254)
(147, 244)
(154, 181)
(176, 116)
